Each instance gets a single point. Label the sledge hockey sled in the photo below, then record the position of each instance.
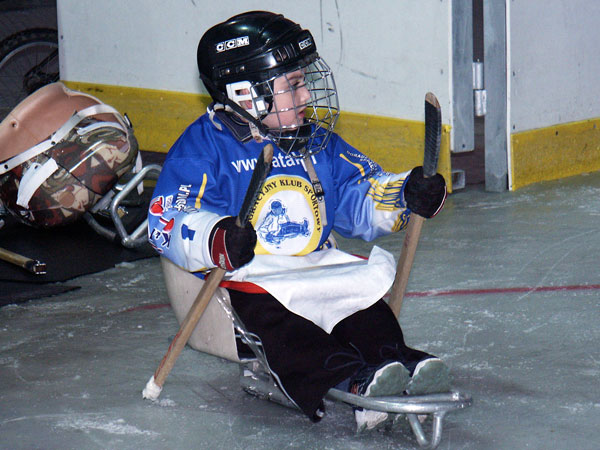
(220, 327)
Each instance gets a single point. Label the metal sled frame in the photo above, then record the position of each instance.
(113, 200)
(257, 379)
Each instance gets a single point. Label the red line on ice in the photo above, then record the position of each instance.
(509, 290)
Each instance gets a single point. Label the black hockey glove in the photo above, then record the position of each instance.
(231, 246)
(424, 196)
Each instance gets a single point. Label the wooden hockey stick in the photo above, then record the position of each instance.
(211, 283)
(31, 265)
(433, 137)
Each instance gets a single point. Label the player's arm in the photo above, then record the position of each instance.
(188, 219)
(372, 203)
(177, 227)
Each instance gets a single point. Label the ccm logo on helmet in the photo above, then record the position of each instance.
(305, 43)
(233, 43)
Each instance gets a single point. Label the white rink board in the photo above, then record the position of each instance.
(385, 55)
(555, 61)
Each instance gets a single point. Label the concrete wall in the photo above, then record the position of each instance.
(555, 61)
(385, 55)
(140, 57)
(554, 112)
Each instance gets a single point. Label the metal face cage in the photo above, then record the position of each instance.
(303, 123)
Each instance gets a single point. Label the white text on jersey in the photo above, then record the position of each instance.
(278, 161)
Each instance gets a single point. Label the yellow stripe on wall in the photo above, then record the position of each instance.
(555, 152)
(159, 117)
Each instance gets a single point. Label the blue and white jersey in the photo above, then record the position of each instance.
(207, 172)
(205, 177)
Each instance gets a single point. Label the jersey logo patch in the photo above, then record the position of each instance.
(286, 217)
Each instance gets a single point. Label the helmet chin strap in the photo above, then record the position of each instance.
(298, 140)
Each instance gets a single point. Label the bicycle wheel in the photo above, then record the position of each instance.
(28, 61)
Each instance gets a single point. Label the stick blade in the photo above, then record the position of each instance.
(433, 134)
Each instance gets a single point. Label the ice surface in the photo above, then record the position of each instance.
(72, 367)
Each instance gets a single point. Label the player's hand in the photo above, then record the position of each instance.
(424, 196)
(231, 246)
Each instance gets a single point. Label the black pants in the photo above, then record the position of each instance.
(307, 360)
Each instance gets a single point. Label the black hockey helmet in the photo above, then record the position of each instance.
(254, 46)
(246, 53)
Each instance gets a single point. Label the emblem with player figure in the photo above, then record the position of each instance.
(277, 227)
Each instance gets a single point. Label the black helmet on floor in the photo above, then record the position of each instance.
(246, 53)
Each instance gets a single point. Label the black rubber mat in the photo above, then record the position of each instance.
(68, 252)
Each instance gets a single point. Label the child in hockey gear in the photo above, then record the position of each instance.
(317, 310)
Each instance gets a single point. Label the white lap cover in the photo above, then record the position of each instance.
(323, 287)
